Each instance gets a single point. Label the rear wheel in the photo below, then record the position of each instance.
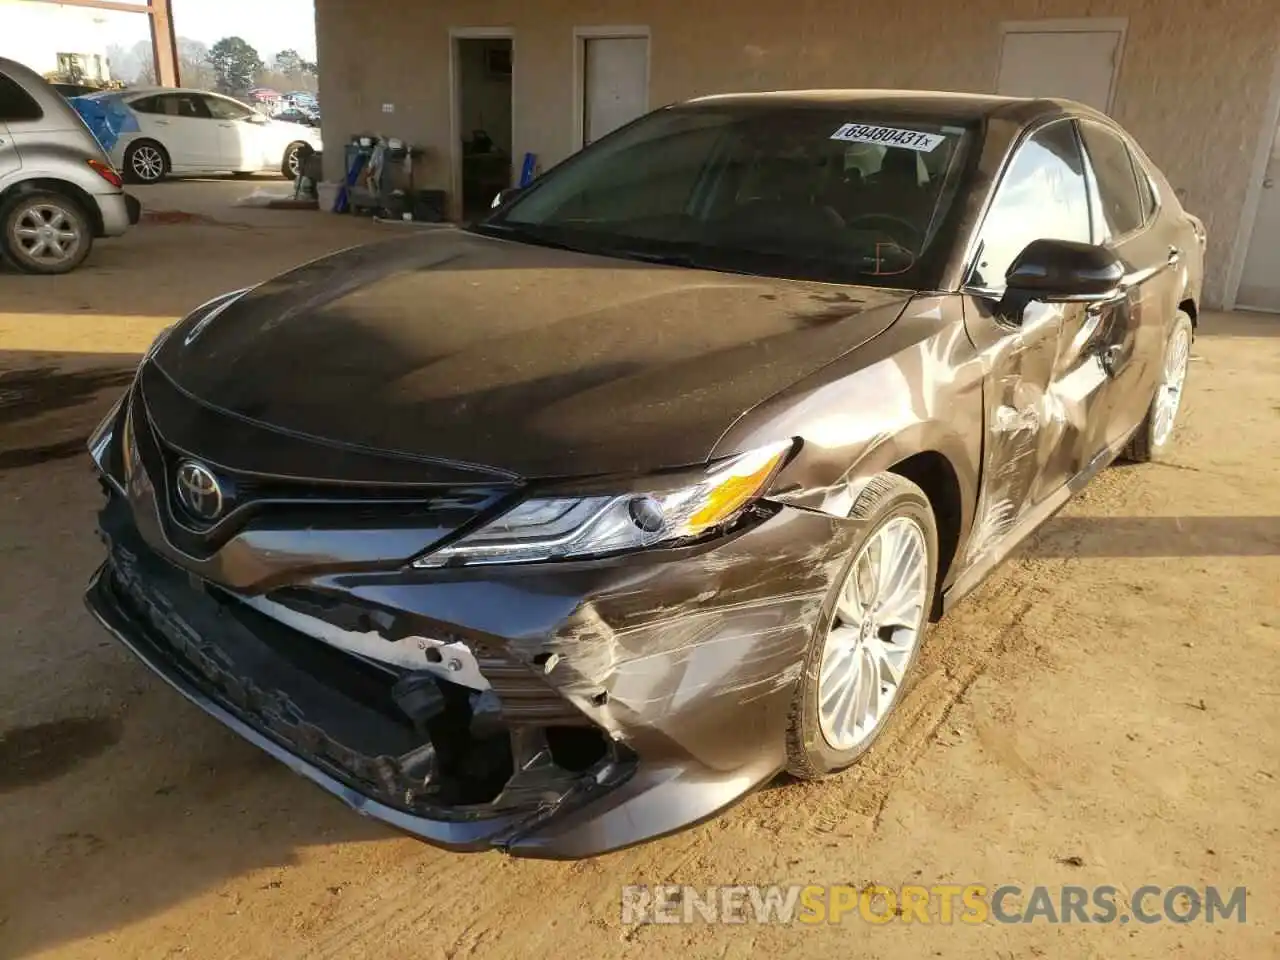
(860, 659)
(145, 162)
(45, 232)
(1155, 437)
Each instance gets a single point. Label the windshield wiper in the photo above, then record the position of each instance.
(666, 259)
(519, 232)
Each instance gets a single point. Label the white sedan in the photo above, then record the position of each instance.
(192, 131)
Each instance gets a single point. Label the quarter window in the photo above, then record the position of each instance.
(1147, 191)
(1121, 205)
(16, 105)
(1042, 197)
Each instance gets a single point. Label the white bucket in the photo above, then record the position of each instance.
(327, 191)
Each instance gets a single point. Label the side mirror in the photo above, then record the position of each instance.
(1061, 271)
(503, 196)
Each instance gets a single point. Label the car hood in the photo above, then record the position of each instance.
(298, 130)
(449, 346)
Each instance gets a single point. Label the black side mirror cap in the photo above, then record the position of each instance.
(1061, 271)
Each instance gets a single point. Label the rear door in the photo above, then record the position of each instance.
(17, 107)
(182, 124)
(1131, 329)
(1040, 379)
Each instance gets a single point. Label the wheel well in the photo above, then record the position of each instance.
(933, 473)
(155, 143)
(1189, 308)
(67, 189)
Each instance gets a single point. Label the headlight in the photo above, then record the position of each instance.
(102, 436)
(566, 527)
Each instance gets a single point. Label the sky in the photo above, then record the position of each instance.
(269, 25)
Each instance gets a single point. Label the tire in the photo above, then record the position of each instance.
(294, 156)
(45, 232)
(887, 504)
(1154, 438)
(146, 162)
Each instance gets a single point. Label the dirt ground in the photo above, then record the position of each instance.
(1105, 710)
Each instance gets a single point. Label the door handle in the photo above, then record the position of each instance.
(1175, 255)
(162, 123)
(225, 126)
(1268, 183)
(1109, 357)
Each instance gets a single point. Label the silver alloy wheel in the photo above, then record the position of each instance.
(292, 163)
(878, 622)
(46, 233)
(1169, 394)
(147, 163)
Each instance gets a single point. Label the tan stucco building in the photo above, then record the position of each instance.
(1197, 83)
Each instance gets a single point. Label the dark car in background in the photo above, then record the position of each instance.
(568, 529)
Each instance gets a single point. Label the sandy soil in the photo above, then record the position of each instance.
(1104, 711)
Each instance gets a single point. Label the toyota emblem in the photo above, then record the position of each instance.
(199, 491)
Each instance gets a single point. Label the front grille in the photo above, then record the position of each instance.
(253, 500)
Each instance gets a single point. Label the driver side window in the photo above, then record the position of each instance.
(1042, 197)
(221, 109)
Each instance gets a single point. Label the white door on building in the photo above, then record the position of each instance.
(1078, 64)
(615, 83)
(1260, 280)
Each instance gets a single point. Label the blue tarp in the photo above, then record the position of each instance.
(106, 116)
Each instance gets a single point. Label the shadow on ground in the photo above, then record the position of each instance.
(1149, 537)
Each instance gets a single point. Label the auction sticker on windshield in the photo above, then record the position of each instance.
(889, 136)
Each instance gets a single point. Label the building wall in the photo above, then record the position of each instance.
(1193, 84)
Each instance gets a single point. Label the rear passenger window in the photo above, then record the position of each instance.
(1122, 206)
(15, 103)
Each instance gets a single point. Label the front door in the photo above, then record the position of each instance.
(1044, 381)
(615, 83)
(1260, 281)
(240, 133)
(1077, 63)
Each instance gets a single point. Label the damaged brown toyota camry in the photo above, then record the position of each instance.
(566, 529)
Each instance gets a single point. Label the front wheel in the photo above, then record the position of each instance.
(294, 157)
(861, 656)
(44, 232)
(1155, 436)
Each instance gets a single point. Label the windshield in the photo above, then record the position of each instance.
(827, 193)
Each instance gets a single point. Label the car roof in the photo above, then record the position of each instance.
(957, 105)
(135, 92)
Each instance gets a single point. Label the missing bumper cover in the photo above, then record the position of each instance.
(410, 741)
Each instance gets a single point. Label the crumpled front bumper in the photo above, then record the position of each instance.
(687, 666)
